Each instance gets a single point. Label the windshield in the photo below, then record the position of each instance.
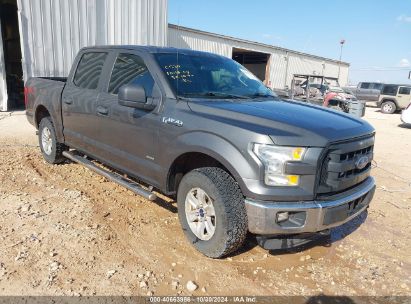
(197, 75)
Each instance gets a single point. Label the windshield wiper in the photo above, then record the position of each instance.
(258, 95)
(226, 95)
(215, 94)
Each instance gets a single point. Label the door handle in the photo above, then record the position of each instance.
(102, 110)
(68, 101)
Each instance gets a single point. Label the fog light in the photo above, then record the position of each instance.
(282, 216)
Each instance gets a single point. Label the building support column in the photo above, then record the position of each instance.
(3, 82)
(287, 60)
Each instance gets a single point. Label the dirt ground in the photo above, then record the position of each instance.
(67, 231)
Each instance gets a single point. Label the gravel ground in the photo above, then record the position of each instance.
(67, 231)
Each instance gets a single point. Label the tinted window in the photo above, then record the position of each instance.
(365, 85)
(127, 69)
(377, 86)
(404, 90)
(390, 90)
(89, 70)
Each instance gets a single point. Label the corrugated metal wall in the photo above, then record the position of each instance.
(181, 38)
(52, 31)
(303, 65)
(283, 63)
(3, 84)
(278, 69)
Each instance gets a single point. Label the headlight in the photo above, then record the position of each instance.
(274, 159)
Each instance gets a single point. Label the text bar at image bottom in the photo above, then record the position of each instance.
(320, 299)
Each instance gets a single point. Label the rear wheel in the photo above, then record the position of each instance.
(388, 107)
(51, 149)
(212, 212)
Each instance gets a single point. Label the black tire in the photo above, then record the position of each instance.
(345, 107)
(388, 107)
(231, 223)
(56, 154)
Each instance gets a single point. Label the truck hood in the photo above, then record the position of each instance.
(286, 122)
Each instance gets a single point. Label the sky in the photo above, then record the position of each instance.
(377, 33)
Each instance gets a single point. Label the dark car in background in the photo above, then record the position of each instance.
(367, 91)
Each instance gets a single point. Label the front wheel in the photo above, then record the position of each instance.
(345, 107)
(51, 149)
(212, 212)
(388, 107)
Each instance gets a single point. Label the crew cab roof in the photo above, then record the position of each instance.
(150, 49)
(396, 84)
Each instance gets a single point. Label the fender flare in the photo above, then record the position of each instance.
(218, 148)
(53, 113)
(389, 99)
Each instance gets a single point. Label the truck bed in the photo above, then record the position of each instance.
(60, 79)
(45, 91)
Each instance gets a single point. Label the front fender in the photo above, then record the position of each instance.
(387, 99)
(239, 163)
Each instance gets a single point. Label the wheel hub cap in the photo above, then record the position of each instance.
(200, 214)
(46, 141)
(388, 107)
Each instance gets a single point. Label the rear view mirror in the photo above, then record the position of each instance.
(134, 96)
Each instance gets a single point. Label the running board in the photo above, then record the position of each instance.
(130, 185)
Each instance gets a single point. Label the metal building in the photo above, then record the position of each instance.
(42, 37)
(274, 65)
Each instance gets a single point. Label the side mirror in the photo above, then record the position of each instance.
(134, 96)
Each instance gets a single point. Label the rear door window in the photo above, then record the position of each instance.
(89, 70)
(390, 90)
(130, 69)
(404, 91)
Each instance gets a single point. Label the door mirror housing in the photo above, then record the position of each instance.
(134, 96)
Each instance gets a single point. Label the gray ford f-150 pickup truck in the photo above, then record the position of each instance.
(202, 128)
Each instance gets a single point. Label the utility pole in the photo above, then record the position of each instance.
(339, 62)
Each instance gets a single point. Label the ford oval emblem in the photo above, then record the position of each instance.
(362, 162)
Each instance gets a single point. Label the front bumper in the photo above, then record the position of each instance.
(311, 216)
